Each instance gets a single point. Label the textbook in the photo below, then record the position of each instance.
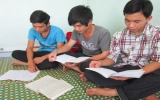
(21, 75)
(49, 87)
(67, 58)
(128, 73)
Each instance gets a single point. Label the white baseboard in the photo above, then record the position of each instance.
(5, 54)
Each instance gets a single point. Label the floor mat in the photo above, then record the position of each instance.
(15, 90)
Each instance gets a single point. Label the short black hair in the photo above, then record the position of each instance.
(134, 6)
(39, 16)
(80, 14)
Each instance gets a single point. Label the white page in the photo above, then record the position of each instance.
(64, 58)
(79, 59)
(103, 71)
(27, 75)
(49, 86)
(61, 93)
(56, 89)
(9, 75)
(22, 75)
(130, 73)
(40, 83)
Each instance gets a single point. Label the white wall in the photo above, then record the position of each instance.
(109, 13)
(14, 18)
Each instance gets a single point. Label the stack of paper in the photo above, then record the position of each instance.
(49, 86)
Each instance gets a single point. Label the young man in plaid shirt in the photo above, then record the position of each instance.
(138, 46)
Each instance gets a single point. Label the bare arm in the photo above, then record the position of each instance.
(151, 67)
(107, 62)
(38, 60)
(59, 45)
(30, 51)
(66, 47)
(62, 49)
(104, 62)
(31, 65)
(100, 56)
(155, 64)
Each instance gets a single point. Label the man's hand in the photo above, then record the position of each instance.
(32, 68)
(52, 56)
(95, 64)
(119, 78)
(38, 60)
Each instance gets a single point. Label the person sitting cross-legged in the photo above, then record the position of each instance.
(49, 37)
(138, 46)
(94, 39)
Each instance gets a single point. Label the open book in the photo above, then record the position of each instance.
(128, 73)
(49, 86)
(67, 58)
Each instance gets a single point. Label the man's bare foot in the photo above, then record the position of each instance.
(101, 91)
(51, 69)
(151, 97)
(16, 63)
(65, 68)
(73, 66)
(83, 78)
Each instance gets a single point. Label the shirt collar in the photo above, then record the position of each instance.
(145, 31)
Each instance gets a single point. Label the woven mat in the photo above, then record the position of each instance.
(15, 90)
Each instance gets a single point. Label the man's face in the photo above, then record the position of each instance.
(136, 22)
(40, 27)
(80, 28)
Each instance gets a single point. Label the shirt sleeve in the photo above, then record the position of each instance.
(156, 47)
(60, 37)
(115, 47)
(31, 35)
(74, 37)
(105, 41)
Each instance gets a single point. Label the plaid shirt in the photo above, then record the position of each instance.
(136, 50)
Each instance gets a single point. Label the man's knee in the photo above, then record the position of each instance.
(15, 53)
(48, 65)
(84, 65)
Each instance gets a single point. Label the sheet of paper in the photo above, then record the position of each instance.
(64, 58)
(22, 75)
(130, 73)
(79, 59)
(103, 71)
